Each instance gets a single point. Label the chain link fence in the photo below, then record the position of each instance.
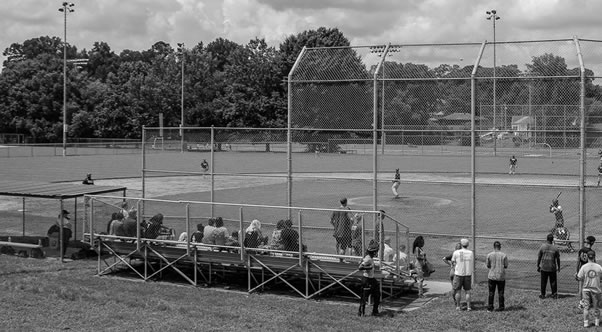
(356, 114)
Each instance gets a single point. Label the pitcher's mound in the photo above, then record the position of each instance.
(403, 201)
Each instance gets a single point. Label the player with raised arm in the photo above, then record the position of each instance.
(396, 183)
(556, 209)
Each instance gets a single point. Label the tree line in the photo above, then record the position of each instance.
(227, 84)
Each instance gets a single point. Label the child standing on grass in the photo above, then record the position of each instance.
(590, 274)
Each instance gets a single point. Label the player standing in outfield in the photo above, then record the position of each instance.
(513, 161)
(599, 173)
(204, 167)
(397, 182)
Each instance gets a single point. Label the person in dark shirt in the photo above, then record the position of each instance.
(198, 235)
(88, 179)
(55, 230)
(154, 226)
(341, 223)
(290, 237)
(548, 264)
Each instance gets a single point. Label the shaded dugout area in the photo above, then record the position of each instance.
(39, 244)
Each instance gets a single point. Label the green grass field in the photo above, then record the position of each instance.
(45, 295)
(435, 199)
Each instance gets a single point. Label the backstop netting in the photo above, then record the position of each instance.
(448, 116)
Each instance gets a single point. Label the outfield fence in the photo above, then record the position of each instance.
(80, 147)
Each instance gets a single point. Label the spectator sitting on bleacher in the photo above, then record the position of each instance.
(54, 230)
(208, 236)
(290, 237)
(113, 217)
(154, 226)
(401, 257)
(388, 252)
(129, 224)
(253, 236)
(220, 232)
(117, 228)
(232, 241)
(277, 243)
(197, 236)
(356, 235)
(183, 237)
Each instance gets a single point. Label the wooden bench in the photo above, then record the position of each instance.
(32, 250)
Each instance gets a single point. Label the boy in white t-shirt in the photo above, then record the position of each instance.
(590, 275)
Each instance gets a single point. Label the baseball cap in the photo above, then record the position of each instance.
(65, 214)
(591, 254)
(464, 242)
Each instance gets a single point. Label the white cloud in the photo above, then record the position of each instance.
(137, 24)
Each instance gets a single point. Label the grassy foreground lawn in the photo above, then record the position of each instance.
(45, 295)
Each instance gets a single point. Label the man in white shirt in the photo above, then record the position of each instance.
(401, 257)
(590, 274)
(463, 260)
(388, 252)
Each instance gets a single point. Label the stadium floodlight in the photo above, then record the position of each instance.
(67, 7)
(181, 50)
(492, 16)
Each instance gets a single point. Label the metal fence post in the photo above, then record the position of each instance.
(212, 166)
(473, 196)
(582, 157)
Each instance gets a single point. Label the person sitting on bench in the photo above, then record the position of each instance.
(88, 179)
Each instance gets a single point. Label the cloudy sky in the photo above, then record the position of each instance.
(138, 24)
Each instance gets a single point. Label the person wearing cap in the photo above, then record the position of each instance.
(463, 261)
(55, 229)
(548, 264)
(590, 274)
(497, 263)
(582, 258)
(370, 286)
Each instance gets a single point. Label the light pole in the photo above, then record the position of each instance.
(181, 49)
(67, 7)
(492, 16)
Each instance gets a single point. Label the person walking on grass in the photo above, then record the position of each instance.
(589, 275)
(582, 260)
(370, 286)
(548, 265)
(497, 263)
(463, 261)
